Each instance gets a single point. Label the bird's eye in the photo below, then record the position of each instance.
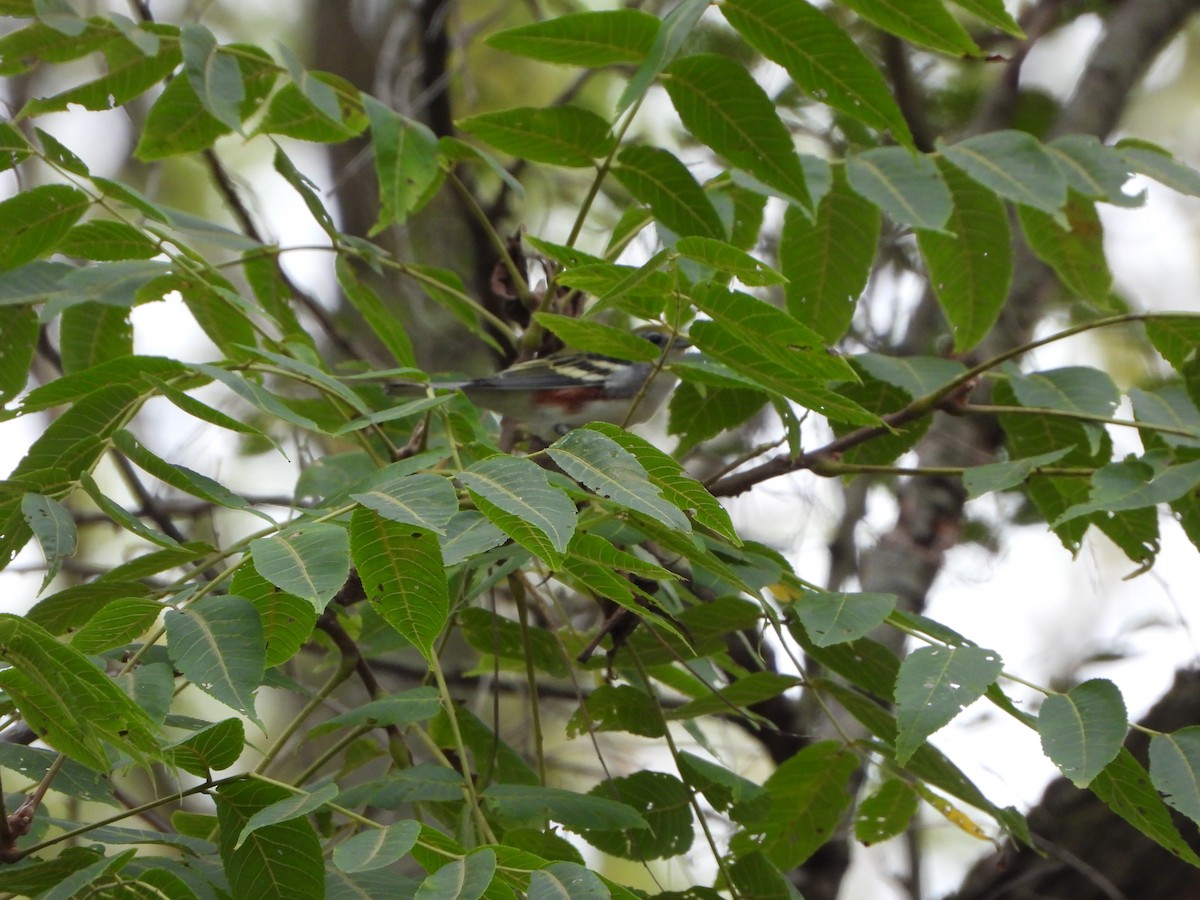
(657, 338)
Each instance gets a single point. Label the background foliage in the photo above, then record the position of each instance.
(312, 695)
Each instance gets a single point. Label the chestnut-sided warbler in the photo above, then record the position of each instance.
(556, 393)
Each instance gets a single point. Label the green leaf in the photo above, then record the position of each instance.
(469, 533)
(699, 412)
(1094, 170)
(745, 691)
(179, 121)
(595, 337)
(808, 793)
(905, 185)
(971, 267)
(118, 623)
(105, 239)
(827, 260)
(279, 860)
(130, 74)
(994, 13)
(1176, 338)
(588, 39)
(659, 180)
(294, 807)
(426, 500)
(775, 350)
(559, 135)
(293, 114)
(54, 528)
(678, 488)
(213, 748)
(566, 881)
(311, 561)
(1174, 768)
(923, 22)
(1072, 388)
(181, 477)
(618, 708)
(886, 813)
(506, 639)
(1003, 476)
(1082, 730)
(217, 643)
(375, 848)
(1013, 164)
(728, 259)
(461, 879)
(578, 812)
(406, 162)
(383, 322)
(601, 464)
(834, 618)
(1154, 162)
(1125, 787)
(1076, 253)
(663, 801)
(414, 705)
(213, 75)
(934, 685)
(401, 570)
(34, 221)
(518, 498)
(69, 703)
(756, 876)
(676, 28)
(822, 59)
(18, 340)
(723, 106)
(287, 620)
(1133, 484)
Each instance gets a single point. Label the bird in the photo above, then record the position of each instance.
(551, 395)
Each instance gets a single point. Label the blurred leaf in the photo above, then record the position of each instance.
(924, 22)
(1003, 476)
(590, 39)
(1094, 170)
(1155, 162)
(745, 691)
(503, 638)
(406, 162)
(595, 337)
(557, 135)
(886, 813)
(33, 222)
(577, 812)
(676, 28)
(18, 340)
(566, 881)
